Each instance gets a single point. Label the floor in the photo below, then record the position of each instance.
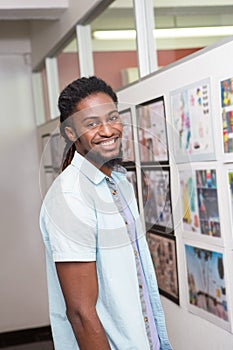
(39, 338)
(45, 345)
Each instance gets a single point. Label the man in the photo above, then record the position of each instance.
(102, 289)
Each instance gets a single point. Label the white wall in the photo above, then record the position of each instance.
(23, 296)
(186, 330)
(14, 37)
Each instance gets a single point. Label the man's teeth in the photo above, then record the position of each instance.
(106, 143)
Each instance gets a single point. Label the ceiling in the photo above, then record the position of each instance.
(214, 10)
(119, 15)
(32, 9)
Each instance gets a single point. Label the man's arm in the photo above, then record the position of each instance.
(79, 285)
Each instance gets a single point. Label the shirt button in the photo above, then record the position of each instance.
(114, 192)
(126, 222)
(146, 319)
(140, 286)
(136, 253)
(107, 178)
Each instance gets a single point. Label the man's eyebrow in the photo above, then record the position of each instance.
(97, 116)
(90, 117)
(113, 111)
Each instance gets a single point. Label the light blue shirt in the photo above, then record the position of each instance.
(80, 222)
(124, 209)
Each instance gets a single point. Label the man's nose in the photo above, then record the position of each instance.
(105, 129)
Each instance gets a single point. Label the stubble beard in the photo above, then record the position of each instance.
(100, 160)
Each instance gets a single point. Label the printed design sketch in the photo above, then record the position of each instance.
(200, 202)
(227, 114)
(230, 184)
(132, 178)
(163, 253)
(152, 133)
(206, 281)
(46, 151)
(227, 92)
(127, 136)
(192, 122)
(57, 144)
(157, 198)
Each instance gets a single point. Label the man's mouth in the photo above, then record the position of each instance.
(108, 143)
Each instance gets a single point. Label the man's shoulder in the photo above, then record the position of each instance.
(64, 183)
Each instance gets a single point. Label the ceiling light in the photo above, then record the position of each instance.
(114, 34)
(193, 32)
(165, 33)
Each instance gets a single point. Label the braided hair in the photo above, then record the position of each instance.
(67, 104)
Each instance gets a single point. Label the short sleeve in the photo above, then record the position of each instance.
(71, 227)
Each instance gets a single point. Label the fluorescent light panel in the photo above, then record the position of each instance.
(165, 33)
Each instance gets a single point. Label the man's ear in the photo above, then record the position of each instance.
(71, 134)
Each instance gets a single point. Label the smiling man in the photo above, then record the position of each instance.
(97, 130)
(102, 288)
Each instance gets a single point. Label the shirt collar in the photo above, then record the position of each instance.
(91, 172)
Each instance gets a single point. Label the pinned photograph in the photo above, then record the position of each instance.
(132, 178)
(163, 253)
(227, 114)
(200, 201)
(206, 282)
(127, 136)
(192, 122)
(152, 132)
(157, 198)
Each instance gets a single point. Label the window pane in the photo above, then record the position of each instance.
(115, 60)
(68, 64)
(192, 20)
(45, 94)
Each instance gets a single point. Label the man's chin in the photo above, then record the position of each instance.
(101, 160)
(112, 162)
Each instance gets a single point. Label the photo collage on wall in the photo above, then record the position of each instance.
(154, 159)
(227, 114)
(200, 208)
(127, 138)
(199, 185)
(152, 133)
(230, 186)
(157, 198)
(53, 147)
(128, 149)
(46, 161)
(57, 148)
(206, 283)
(156, 193)
(192, 123)
(163, 253)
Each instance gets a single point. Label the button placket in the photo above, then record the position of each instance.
(114, 191)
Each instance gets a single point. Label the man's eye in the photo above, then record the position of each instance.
(114, 117)
(92, 124)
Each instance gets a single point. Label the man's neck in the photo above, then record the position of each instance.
(107, 171)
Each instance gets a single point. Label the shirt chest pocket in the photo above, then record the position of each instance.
(111, 230)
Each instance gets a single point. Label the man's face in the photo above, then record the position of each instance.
(98, 128)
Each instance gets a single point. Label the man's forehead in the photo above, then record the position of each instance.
(97, 110)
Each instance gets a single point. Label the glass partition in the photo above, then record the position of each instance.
(114, 56)
(189, 26)
(68, 63)
(45, 94)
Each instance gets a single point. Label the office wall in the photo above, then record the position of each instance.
(188, 330)
(23, 292)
